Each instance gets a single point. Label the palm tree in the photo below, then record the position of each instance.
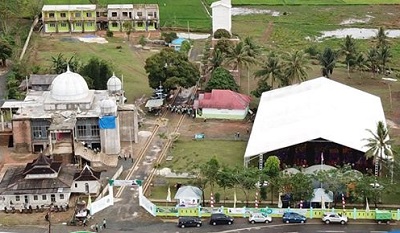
(296, 65)
(382, 38)
(372, 60)
(328, 61)
(384, 56)
(272, 71)
(254, 51)
(379, 146)
(348, 48)
(216, 61)
(239, 57)
(360, 62)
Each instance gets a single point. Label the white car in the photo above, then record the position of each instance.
(334, 218)
(259, 218)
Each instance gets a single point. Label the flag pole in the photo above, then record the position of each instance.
(322, 162)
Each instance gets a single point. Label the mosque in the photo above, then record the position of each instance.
(71, 123)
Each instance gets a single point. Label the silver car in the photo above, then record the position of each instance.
(259, 218)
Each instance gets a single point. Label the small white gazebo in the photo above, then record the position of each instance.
(188, 196)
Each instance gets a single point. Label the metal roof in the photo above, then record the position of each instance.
(85, 7)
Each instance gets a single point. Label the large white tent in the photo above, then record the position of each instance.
(318, 108)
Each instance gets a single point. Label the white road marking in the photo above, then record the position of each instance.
(331, 231)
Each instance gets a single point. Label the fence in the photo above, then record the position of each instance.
(170, 211)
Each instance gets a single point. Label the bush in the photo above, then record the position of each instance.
(263, 193)
(169, 36)
(217, 197)
(142, 41)
(222, 33)
(109, 33)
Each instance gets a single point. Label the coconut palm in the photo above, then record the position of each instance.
(296, 65)
(361, 62)
(328, 61)
(384, 56)
(379, 146)
(216, 61)
(348, 48)
(382, 38)
(254, 51)
(372, 60)
(272, 71)
(238, 56)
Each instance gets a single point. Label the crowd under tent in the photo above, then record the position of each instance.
(316, 121)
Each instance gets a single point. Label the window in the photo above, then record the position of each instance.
(81, 130)
(114, 25)
(51, 15)
(61, 196)
(37, 132)
(52, 25)
(44, 197)
(140, 14)
(78, 14)
(86, 187)
(125, 14)
(63, 15)
(150, 14)
(140, 24)
(76, 185)
(89, 24)
(79, 24)
(63, 25)
(53, 198)
(95, 130)
(89, 14)
(17, 198)
(114, 14)
(35, 197)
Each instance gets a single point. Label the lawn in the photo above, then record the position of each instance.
(310, 2)
(173, 13)
(125, 61)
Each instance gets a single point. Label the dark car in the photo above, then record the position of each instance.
(291, 217)
(189, 222)
(217, 219)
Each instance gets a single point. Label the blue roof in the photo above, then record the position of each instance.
(178, 41)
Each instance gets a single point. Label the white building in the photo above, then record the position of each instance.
(315, 120)
(40, 183)
(222, 15)
(86, 181)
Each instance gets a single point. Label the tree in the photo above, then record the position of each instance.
(382, 38)
(361, 62)
(185, 47)
(221, 79)
(169, 64)
(272, 71)
(348, 48)
(225, 179)
(262, 86)
(97, 72)
(13, 87)
(5, 52)
(247, 179)
(224, 46)
(301, 187)
(254, 51)
(216, 61)
(373, 60)
(60, 63)
(128, 28)
(169, 36)
(369, 187)
(271, 171)
(238, 56)
(222, 33)
(328, 61)
(210, 170)
(379, 146)
(296, 65)
(384, 56)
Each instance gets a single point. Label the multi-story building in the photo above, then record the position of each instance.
(88, 18)
(69, 18)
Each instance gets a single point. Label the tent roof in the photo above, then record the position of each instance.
(320, 194)
(188, 192)
(318, 108)
(318, 167)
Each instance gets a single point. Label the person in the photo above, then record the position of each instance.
(84, 222)
(97, 227)
(104, 223)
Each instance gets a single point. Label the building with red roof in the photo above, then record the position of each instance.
(222, 104)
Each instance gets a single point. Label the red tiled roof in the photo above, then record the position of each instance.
(224, 99)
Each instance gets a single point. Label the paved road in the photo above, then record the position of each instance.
(144, 224)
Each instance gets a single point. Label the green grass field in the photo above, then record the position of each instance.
(310, 2)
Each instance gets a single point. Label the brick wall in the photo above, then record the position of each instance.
(22, 135)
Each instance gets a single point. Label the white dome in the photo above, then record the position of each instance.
(69, 86)
(107, 106)
(114, 83)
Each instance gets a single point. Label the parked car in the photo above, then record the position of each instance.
(383, 216)
(291, 217)
(217, 219)
(259, 218)
(334, 218)
(189, 222)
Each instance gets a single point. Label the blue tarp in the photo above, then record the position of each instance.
(107, 122)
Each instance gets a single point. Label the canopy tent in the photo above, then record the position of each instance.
(290, 171)
(321, 196)
(310, 110)
(188, 196)
(315, 168)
